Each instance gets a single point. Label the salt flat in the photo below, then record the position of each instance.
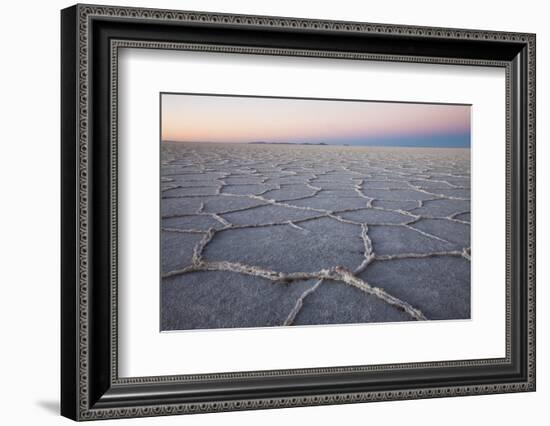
(269, 235)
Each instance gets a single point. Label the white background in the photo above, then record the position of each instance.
(29, 229)
(146, 352)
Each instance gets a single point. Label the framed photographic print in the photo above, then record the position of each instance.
(263, 212)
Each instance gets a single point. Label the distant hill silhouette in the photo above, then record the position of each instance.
(285, 143)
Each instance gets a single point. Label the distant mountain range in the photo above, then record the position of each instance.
(285, 143)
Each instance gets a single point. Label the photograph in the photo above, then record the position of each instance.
(280, 211)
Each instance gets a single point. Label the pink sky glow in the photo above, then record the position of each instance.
(246, 119)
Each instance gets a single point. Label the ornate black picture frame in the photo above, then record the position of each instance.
(90, 385)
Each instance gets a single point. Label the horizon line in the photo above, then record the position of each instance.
(346, 145)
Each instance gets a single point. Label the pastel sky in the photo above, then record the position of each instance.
(236, 119)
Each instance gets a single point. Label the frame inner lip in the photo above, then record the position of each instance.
(506, 361)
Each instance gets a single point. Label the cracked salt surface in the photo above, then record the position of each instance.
(275, 235)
